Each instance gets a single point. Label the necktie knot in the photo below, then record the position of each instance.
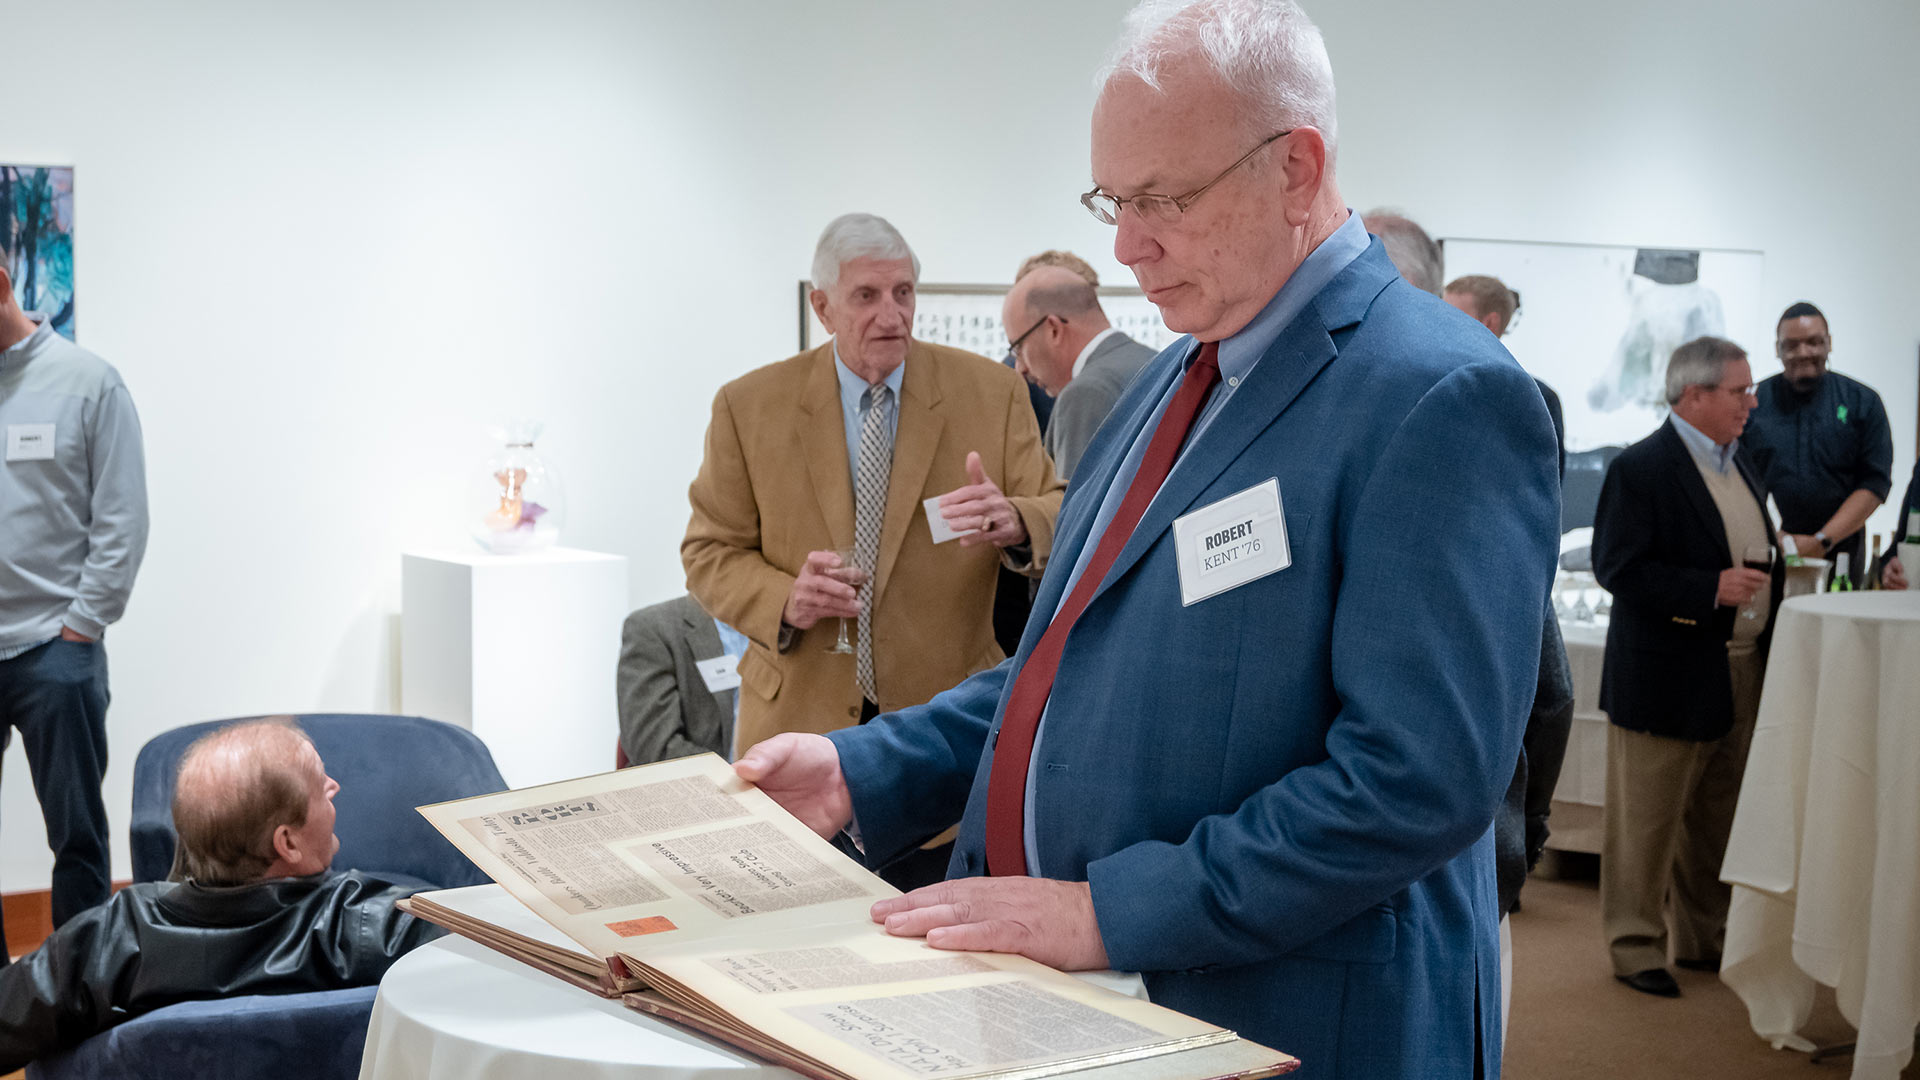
(1209, 356)
(876, 396)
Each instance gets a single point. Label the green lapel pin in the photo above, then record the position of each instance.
(1841, 412)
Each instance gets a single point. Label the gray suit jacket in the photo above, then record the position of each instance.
(666, 710)
(1083, 406)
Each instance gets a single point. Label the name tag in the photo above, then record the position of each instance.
(942, 532)
(722, 673)
(1224, 545)
(29, 442)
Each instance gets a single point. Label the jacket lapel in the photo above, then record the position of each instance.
(823, 434)
(915, 440)
(1694, 487)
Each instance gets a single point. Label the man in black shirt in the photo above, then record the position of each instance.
(253, 909)
(1820, 443)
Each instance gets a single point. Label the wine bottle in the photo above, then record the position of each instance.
(1913, 525)
(1873, 568)
(1842, 574)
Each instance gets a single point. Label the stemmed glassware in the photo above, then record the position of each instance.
(853, 574)
(1757, 557)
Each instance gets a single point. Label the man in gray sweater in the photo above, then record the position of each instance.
(73, 528)
(1064, 344)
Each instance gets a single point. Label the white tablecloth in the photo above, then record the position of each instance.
(1825, 850)
(455, 1010)
(1583, 774)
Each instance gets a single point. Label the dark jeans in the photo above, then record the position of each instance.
(56, 697)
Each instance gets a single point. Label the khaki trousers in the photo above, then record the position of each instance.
(1669, 809)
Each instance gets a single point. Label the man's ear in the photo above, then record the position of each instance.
(818, 298)
(1491, 320)
(1303, 160)
(286, 844)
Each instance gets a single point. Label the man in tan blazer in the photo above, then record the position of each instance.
(776, 498)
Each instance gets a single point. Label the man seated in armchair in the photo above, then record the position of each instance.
(253, 906)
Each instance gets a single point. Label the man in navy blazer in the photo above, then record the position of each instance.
(1274, 800)
(1680, 516)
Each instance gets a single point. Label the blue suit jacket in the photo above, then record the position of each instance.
(1282, 795)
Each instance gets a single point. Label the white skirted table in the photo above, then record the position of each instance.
(1824, 856)
(454, 1009)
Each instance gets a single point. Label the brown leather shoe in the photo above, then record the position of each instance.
(1656, 981)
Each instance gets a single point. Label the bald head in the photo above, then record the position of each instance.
(1409, 248)
(252, 801)
(1058, 312)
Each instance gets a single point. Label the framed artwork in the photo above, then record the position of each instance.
(36, 239)
(1599, 322)
(968, 317)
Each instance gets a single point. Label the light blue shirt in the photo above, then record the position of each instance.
(1710, 456)
(852, 389)
(732, 643)
(1238, 357)
(73, 525)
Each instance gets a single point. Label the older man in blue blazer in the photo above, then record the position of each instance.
(1254, 736)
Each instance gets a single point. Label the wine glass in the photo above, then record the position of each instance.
(850, 572)
(1757, 557)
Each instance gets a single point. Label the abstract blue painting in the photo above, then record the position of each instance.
(36, 239)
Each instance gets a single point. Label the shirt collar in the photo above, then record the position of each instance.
(853, 388)
(1080, 362)
(22, 350)
(1703, 449)
(1239, 353)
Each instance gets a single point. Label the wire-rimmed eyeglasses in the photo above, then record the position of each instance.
(1014, 346)
(1163, 208)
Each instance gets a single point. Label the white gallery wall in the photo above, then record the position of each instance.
(326, 242)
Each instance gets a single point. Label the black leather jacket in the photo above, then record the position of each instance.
(157, 943)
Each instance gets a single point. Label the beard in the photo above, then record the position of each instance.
(1805, 386)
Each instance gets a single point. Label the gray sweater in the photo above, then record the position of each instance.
(73, 492)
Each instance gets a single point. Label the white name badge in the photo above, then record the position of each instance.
(722, 673)
(1229, 543)
(29, 442)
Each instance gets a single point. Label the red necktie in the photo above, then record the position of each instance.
(1007, 785)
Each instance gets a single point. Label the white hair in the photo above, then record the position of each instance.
(1266, 51)
(1700, 362)
(854, 236)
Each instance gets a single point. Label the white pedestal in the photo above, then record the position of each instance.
(521, 649)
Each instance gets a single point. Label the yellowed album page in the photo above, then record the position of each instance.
(633, 860)
(879, 1007)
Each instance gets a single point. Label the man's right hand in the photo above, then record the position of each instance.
(802, 774)
(818, 595)
(1738, 584)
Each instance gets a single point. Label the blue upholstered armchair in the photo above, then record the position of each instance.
(386, 766)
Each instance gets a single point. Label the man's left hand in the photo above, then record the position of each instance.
(70, 634)
(980, 506)
(1895, 575)
(1038, 918)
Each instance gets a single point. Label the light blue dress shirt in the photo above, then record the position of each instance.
(1710, 456)
(1238, 357)
(732, 643)
(852, 389)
